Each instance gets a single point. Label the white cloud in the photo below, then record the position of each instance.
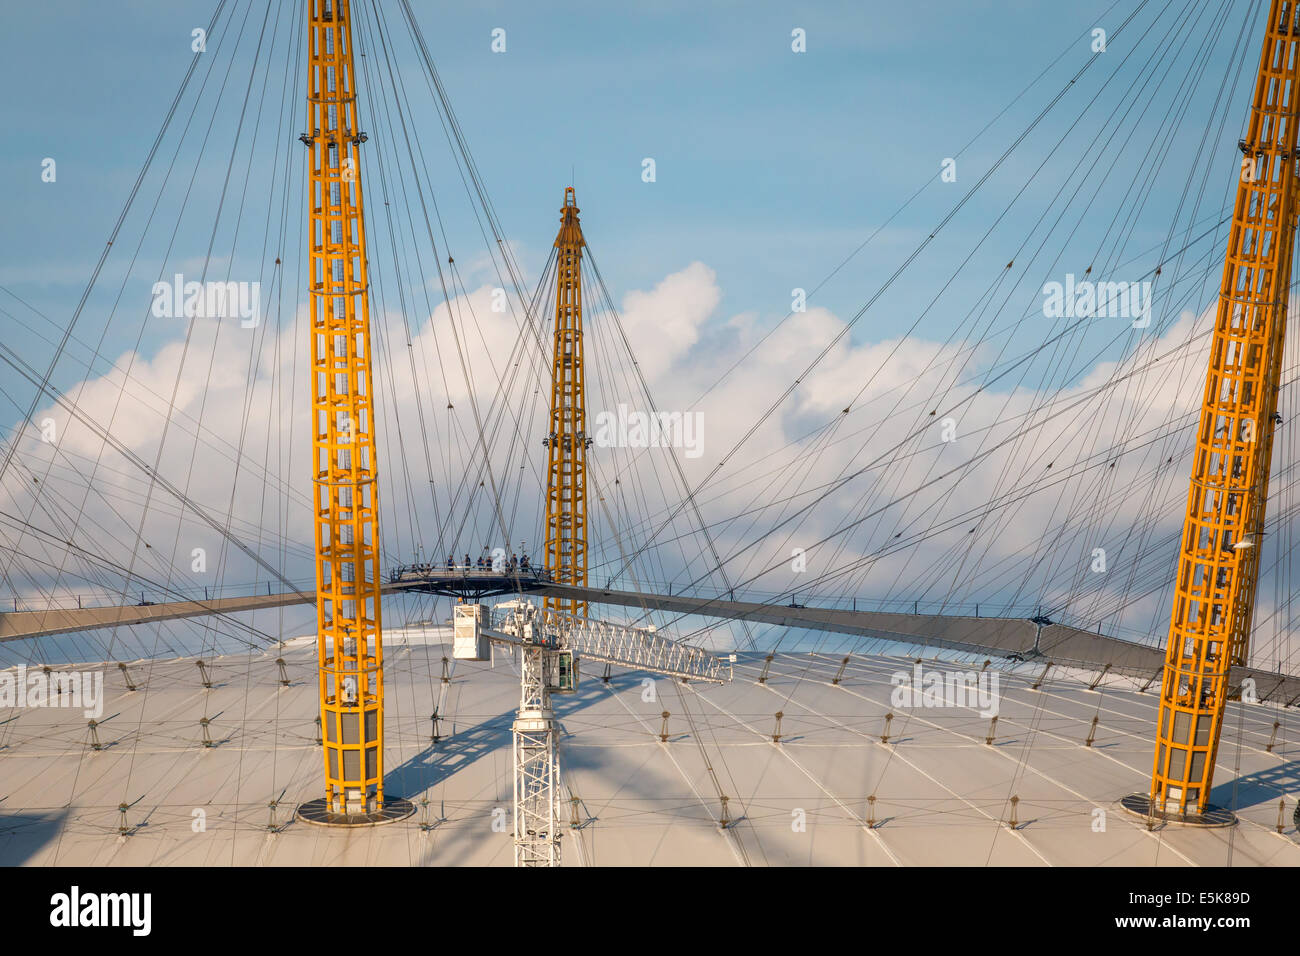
(1036, 538)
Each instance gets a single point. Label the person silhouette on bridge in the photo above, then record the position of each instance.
(451, 563)
(466, 560)
(523, 562)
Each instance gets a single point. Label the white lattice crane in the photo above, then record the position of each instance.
(551, 644)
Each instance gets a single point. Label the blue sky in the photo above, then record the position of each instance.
(771, 166)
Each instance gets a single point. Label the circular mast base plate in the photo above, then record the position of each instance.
(1139, 804)
(317, 812)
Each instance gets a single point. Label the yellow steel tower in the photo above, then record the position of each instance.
(566, 483)
(343, 431)
(1219, 562)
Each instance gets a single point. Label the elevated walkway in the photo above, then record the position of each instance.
(467, 583)
(1018, 639)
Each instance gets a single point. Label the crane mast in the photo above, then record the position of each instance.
(345, 470)
(534, 729)
(567, 442)
(1218, 566)
(550, 646)
(537, 763)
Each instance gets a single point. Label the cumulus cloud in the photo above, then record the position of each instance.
(949, 490)
(664, 324)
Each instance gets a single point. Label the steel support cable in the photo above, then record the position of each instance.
(1017, 255)
(604, 355)
(1285, 540)
(1160, 548)
(953, 522)
(835, 485)
(1006, 518)
(103, 256)
(1067, 401)
(1016, 495)
(531, 381)
(603, 292)
(1104, 458)
(295, 63)
(1147, 524)
(830, 484)
(1035, 722)
(898, 271)
(389, 105)
(193, 111)
(910, 494)
(180, 369)
(375, 92)
(1034, 352)
(899, 475)
(1173, 120)
(520, 445)
(1117, 498)
(713, 776)
(67, 331)
(501, 405)
(467, 167)
(460, 351)
(416, 167)
(599, 379)
(87, 492)
(371, 93)
(677, 465)
(1052, 608)
(70, 473)
(996, 282)
(33, 562)
(929, 181)
(159, 587)
(1151, 515)
(621, 381)
(63, 533)
(211, 440)
(18, 365)
(1242, 57)
(1283, 494)
(47, 504)
(117, 501)
(385, 367)
(254, 346)
(963, 518)
(288, 90)
(795, 444)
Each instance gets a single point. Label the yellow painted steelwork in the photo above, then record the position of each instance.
(566, 482)
(1219, 561)
(346, 493)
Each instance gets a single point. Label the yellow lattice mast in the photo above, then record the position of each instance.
(345, 471)
(567, 442)
(1219, 562)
